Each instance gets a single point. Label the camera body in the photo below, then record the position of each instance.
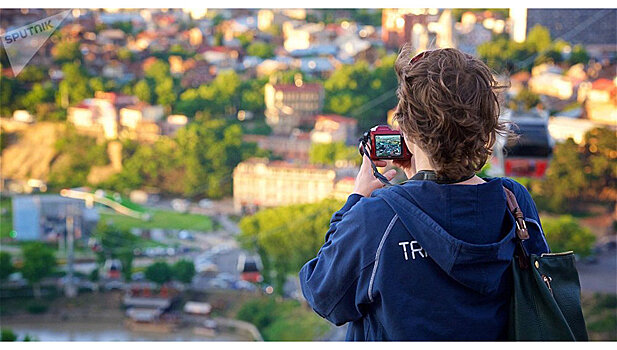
(386, 144)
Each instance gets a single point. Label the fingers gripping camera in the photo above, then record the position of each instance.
(385, 144)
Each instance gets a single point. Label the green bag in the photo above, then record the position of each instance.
(546, 295)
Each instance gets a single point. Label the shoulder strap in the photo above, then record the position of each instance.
(519, 217)
(521, 229)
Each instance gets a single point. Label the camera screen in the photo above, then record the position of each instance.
(387, 146)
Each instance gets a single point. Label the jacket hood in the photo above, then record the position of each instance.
(466, 229)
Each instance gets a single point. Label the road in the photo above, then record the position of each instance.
(600, 276)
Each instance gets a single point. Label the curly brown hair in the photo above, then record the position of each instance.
(449, 106)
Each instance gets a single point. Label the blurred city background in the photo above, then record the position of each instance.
(166, 173)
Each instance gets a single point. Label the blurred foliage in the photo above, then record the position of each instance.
(7, 335)
(505, 55)
(38, 262)
(524, 100)
(600, 311)
(287, 237)
(329, 153)
(579, 174)
(66, 51)
(6, 266)
(363, 92)
(565, 233)
(184, 271)
(76, 155)
(116, 244)
(284, 320)
(160, 273)
(260, 49)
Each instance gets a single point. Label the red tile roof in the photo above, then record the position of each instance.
(603, 84)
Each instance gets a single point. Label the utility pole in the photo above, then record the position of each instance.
(70, 289)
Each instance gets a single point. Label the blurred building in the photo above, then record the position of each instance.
(552, 84)
(295, 146)
(334, 128)
(291, 105)
(301, 35)
(259, 183)
(141, 122)
(563, 128)
(600, 100)
(96, 116)
(43, 217)
(401, 26)
(173, 123)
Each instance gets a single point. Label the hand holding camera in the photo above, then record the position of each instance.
(377, 145)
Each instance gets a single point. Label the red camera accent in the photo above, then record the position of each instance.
(386, 130)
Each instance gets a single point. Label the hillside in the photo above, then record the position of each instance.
(33, 153)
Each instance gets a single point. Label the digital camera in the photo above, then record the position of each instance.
(386, 144)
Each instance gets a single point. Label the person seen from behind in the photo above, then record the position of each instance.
(428, 259)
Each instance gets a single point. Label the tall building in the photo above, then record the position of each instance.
(399, 26)
(258, 183)
(291, 105)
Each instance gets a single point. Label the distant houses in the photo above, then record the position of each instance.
(115, 115)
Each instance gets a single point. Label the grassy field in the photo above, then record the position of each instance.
(161, 219)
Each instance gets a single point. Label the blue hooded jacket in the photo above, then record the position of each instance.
(421, 261)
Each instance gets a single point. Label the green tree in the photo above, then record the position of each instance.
(125, 26)
(97, 84)
(75, 84)
(6, 266)
(158, 71)
(363, 92)
(525, 100)
(66, 51)
(565, 233)
(76, 155)
(125, 54)
(273, 233)
(159, 165)
(210, 151)
(282, 320)
(142, 91)
(578, 55)
(160, 273)
(38, 95)
(39, 262)
(564, 178)
(580, 174)
(260, 49)
(7, 335)
(116, 244)
(184, 271)
(330, 153)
